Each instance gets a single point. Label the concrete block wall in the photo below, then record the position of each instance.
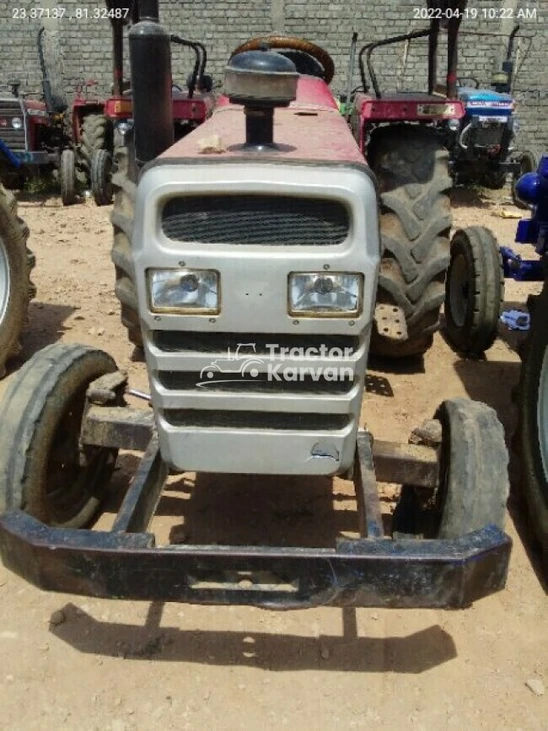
(80, 48)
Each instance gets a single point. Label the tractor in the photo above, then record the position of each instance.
(473, 305)
(34, 131)
(482, 142)
(397, 134)
(270, 245)
(191, 106)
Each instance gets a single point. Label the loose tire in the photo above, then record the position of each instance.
(122, 223)
(101, 177)
(93, 138)
(42, 469)
(16, 289)
(532, 437)
(528, 164)
(67, 175)
(474, 291)
(412, 169)
(474, 482)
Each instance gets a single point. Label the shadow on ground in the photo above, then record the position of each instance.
(414, 654)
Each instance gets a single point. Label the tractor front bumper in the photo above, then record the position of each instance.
(366, 572)
(371, 571)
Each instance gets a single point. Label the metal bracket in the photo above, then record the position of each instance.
(390, 322)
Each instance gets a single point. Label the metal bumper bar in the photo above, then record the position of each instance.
(372, 571)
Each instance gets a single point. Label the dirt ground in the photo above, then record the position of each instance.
(79, 663)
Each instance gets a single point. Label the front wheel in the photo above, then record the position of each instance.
(533, 420)
(101, 177)
(44, 469)
(474, 291)
(474, 483)
(67, 175)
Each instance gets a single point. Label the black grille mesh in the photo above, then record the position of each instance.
(255, 219)
(15, 138)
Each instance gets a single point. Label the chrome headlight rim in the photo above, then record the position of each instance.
(17, 123)
(182, 272)
(326, 314)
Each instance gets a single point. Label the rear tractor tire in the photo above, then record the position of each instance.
(412, 169)
(474, 484)
(122, 222)
(16, 289)
(474, 291)
(43, 468)
(93, 138)
(101, 177)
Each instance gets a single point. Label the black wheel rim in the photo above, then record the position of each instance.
(73, 477)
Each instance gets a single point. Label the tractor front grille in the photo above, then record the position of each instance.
(260, 220)
(173, 341)
(489, 134)
(214, 418)
(14, 138)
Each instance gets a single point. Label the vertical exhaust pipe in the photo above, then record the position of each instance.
(150, 62)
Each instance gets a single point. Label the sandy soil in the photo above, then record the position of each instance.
(78, 663)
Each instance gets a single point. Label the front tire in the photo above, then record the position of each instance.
(474, 483)
(412, 168)
(101, 177)
(67, 175)
(474, 291)
(43, 469)
(533, 420)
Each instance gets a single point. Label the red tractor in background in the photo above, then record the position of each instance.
(34, 138)
(95, 121)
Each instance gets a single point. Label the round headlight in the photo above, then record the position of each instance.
(17, 123)
(453, 124)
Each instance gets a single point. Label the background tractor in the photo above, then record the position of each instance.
(35, 132)
(272, 243)
(474, 301)
(482, 142)
(95, 122)
(397, 134)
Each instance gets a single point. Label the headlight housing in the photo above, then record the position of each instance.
(325, 294)
(184, 291)
(16, 122)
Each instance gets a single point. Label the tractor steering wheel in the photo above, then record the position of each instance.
(473, 79)
(292, 43)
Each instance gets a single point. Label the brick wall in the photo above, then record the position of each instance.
(80, 48)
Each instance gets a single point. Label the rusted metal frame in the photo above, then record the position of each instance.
(144, 493)
(406, 464)
(453, 27)
(120, 427)
(367, 495)
(433, 55)
(368, 573)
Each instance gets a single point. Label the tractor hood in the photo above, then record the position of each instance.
(472, 96)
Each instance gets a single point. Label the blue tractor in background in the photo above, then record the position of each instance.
(473, 305)
(481, 144)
